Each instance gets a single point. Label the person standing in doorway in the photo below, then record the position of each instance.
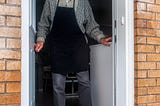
(68, 22)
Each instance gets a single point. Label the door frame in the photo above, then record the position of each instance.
(123, 72)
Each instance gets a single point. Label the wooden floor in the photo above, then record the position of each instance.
(46, 99)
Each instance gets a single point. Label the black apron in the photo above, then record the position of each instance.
(69, 50)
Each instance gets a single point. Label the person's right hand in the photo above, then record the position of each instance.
(39, 46)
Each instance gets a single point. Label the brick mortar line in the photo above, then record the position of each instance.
(14, 49)
(9, 93)
(16, 38)
(10, 70)
(10, 26)
(145, 19)
(143, 2)
(10, 37)
(18, 27)
(144, 52)
(10, 16)
(148, 78)
(150, 44)
(12, 5)
(5, 43)
(11, 59)
(150, 28)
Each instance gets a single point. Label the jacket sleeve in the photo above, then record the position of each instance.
(92, 28)
(44, 23)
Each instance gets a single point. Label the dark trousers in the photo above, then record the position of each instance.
(83, 88)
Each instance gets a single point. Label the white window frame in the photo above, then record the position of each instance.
(127, 68)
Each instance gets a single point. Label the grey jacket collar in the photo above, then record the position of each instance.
(76, 3)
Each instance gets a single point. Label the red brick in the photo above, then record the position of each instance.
(2, 87)
(2, 42)
(154, 90)
(146, 99)
(141, 23)
(2, 65)
(158, 81)
(153, 57)
(158, 16)
(144, 48)
(13, 21)
(145, 32)
(157, 1)
(10, 32)
(141, 40)
(145, 15)
(146, 82)
(146, 1)
(145, 65)
(153, 8)
(2, 1)
(10, 98)
(140, 57)
(140, 74)
(10, 76)
(13, 43)
(158, 65)
(10, 54)
(13, 65)
(153, 24)
(17, 2)
(141, 6)
(153, 104)
(2, 20)
(157, 49)
(154, 73)
(141, 91)
(153, 40)
(13, 87)
(10, 10)
(158, 33)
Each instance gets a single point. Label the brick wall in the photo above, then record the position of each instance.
(10, 52)
(147, 52)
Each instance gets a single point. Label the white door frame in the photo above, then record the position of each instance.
(124, 72)
(124, 52)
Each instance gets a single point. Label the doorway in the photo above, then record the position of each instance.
(122, 19)
(103, 15)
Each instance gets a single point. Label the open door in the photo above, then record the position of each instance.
(102, 69)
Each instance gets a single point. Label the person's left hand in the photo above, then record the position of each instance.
(106, 41)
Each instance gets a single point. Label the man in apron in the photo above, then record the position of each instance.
(67, 22)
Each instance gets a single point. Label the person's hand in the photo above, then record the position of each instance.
(39, 46)
(106, 41)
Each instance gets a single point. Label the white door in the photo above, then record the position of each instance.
(102, 75)
(102, 66)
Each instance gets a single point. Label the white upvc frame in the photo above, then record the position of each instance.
(124, 52)
(25, 53)
(128, 51)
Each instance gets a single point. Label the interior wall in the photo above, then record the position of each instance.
(102, 10)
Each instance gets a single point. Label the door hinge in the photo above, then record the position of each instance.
(115, 39)
(115, 24)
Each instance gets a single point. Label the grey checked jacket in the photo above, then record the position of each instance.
(84, 16)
